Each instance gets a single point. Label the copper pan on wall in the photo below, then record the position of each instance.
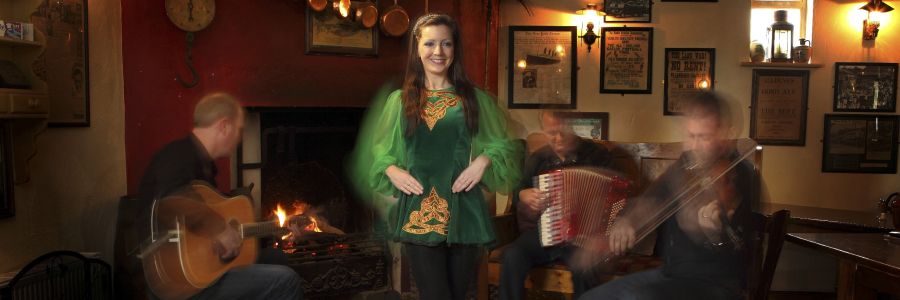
(366, 14)
(395, 21)
(318, 5)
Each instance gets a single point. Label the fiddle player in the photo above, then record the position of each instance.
(702, 244)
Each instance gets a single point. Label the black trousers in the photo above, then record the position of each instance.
(443, 272)
(525, 253)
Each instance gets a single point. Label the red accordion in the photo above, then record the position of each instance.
(582, 204)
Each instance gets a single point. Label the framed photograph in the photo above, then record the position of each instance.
(689, 71)
(627, 11)
(778, 107)
(626, 55)
(326, 34)
(63, 64)
(589, 125)
(860, 144)
(865, 87)
(542, 67)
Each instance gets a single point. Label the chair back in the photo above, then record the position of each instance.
(61, 275)
(769, 234)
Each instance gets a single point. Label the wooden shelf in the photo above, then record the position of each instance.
(18, 42)
(779, 65)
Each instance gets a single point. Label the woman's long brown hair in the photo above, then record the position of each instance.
(414, 82)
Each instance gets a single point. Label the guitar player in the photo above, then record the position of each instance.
(218, 123)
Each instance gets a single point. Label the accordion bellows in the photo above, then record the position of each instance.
(582, 204)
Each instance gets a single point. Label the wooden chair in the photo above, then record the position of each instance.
(769, 233)
(61, 275)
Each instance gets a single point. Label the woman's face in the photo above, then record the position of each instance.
(436, 49)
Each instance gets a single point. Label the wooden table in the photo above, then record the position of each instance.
(817, 219)
(868, 262)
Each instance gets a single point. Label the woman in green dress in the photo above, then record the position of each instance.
(426, 151)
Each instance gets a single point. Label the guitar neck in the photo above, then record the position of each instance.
(267, 228)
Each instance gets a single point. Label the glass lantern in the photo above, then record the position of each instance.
(782, 34)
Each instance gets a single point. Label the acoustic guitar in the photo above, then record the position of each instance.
(181, 259)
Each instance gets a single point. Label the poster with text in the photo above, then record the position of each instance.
(689, 71)
(626, 60)
(778, 115)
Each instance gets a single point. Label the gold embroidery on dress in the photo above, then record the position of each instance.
(432, 208)
(436, 110)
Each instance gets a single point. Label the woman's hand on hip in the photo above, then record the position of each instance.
(471, 176)
(403, 181)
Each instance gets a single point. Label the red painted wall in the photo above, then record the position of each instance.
(255, 50)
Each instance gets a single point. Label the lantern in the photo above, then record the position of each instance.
(782, 38)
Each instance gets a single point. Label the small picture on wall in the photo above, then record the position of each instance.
(865, 87)
(860, 144)
(588, 125)
(326, 34)
(627, 11)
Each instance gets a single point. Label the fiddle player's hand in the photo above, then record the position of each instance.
(471, 176)
(621, 237)
(228, 244)
(532, 198)
(710, 220)
(404, 182)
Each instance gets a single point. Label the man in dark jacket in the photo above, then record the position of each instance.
(218, 122)
(564, 149)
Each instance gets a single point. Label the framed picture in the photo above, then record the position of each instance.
(7, 199)
(778, 107)
(627, 11)
(865, 87)
(589, 125)
(542, 67)
(326, 34)
(626, 55)
(689, 71)
(63, 64)
(860, 144)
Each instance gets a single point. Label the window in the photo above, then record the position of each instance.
(762, 15)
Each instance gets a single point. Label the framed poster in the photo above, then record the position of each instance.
(689, 71)
(778, 107)
(626, 59)
(865, 87)
(589, 125)
(627, 11)
(542, 67)
(860, 144)
(63, 64)
(326, 34)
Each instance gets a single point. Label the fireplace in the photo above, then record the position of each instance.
(296, 157)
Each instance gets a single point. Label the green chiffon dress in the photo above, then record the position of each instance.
(435, 155)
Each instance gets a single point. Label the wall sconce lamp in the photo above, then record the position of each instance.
(875, 9)
(590, 14)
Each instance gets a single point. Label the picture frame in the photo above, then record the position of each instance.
(7, 182)
(865, 87)
(626, 54)
(63, 64)
(858, 143)
(686, 70)
(542, 67)
(327, 35)
(778, 107)
(589, 125)
(627, 11)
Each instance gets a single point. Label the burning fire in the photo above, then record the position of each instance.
(300, 209)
